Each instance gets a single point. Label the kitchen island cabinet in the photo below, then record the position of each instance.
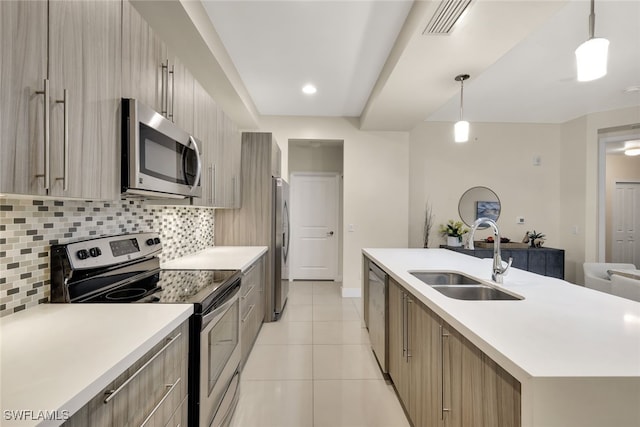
(528, 361)
(440, 377)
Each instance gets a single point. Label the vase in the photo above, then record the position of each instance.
(454, 241)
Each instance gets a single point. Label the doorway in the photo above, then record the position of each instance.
(617, 210)
(316, 209)
(625, 231)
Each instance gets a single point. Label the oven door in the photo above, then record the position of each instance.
(162, 158)
(219, 361)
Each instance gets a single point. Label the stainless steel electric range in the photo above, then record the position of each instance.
(126, 269)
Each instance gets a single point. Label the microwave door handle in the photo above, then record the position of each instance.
(199, 160)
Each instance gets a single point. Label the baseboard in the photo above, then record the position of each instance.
(351, 292)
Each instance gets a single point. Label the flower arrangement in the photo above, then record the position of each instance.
(453, 229)
(535, 239)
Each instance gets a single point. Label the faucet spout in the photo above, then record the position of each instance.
(498, 270)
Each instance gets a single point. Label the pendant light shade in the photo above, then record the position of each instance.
(461, 131)
(461, 128)
(591, 56)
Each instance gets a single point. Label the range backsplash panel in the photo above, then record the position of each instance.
(28, 228)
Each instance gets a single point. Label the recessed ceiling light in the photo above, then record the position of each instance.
(631, 89)
(309, 89)
(632, 148)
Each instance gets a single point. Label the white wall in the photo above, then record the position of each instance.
(376, 183)
(498, 156)
(579, 180)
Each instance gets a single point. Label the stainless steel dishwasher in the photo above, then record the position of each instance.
(378, 305)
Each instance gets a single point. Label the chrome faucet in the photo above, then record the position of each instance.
(498, 269)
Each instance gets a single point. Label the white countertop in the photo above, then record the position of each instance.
(56, 357)
(218, 258)
(575, 351)
(558, 330)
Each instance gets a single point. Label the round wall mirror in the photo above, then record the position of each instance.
(479, 202)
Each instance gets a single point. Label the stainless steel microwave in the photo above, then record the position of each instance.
(158, 158)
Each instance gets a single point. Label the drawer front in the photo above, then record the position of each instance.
(249, 330)
(150, 390)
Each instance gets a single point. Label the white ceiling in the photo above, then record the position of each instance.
(279, 46)
(370, 59)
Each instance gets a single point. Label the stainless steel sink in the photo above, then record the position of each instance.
(474, 292)
(461, 286)
(435, 278)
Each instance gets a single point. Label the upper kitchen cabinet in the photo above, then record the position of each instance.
(206, 131)
(221, 152)
(61, 127)
(182, 95)
(144, 62)
(228, 161)
(152, 74)
(85, 71)
(23, 75)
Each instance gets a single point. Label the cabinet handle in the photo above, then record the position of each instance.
(173, 91)
(111, 393)
(409, 302)
(404, 346)
(47, 138)
(65, 132)
(164, 96)
(251, 307)
(210, 170)
(233, 191)
(443, 335)
(248, 292)
(170, 388)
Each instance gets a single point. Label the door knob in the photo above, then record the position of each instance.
(330, 233)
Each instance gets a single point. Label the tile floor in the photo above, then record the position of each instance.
(315, 368)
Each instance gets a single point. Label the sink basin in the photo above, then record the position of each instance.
(474, 292)
(461, 286)
(444, 278)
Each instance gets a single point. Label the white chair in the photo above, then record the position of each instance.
(625, 287)
(596, 276)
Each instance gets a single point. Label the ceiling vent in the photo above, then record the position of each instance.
(446, 16)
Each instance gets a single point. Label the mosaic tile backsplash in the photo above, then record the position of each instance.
(28, 228)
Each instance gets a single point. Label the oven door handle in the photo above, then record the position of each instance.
(231, 299)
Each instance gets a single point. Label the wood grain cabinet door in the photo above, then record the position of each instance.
(85, 73)
(477, 392)
(143, 54)
(23, 70)
(398, 363)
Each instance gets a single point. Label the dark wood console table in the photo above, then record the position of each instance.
(545, 261)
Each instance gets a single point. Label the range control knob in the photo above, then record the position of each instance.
(150, 242)
(82, 254)
(94, 252)
(156, 241)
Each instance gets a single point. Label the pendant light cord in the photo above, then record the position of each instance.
(592, 20)
(461, 98)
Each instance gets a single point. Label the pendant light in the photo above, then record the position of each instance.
(591, 56)
(461, 128)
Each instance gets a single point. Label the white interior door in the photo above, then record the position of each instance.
(626, 224)
(314, 231)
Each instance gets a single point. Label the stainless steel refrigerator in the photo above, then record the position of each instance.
(280, 245)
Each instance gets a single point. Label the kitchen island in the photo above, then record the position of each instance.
(575, 352)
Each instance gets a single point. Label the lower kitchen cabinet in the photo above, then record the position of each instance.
(441, 378)
(152, 392)
(252, 306)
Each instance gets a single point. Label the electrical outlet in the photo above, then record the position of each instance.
(520, 220)
(351, 228)
(537, 160)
